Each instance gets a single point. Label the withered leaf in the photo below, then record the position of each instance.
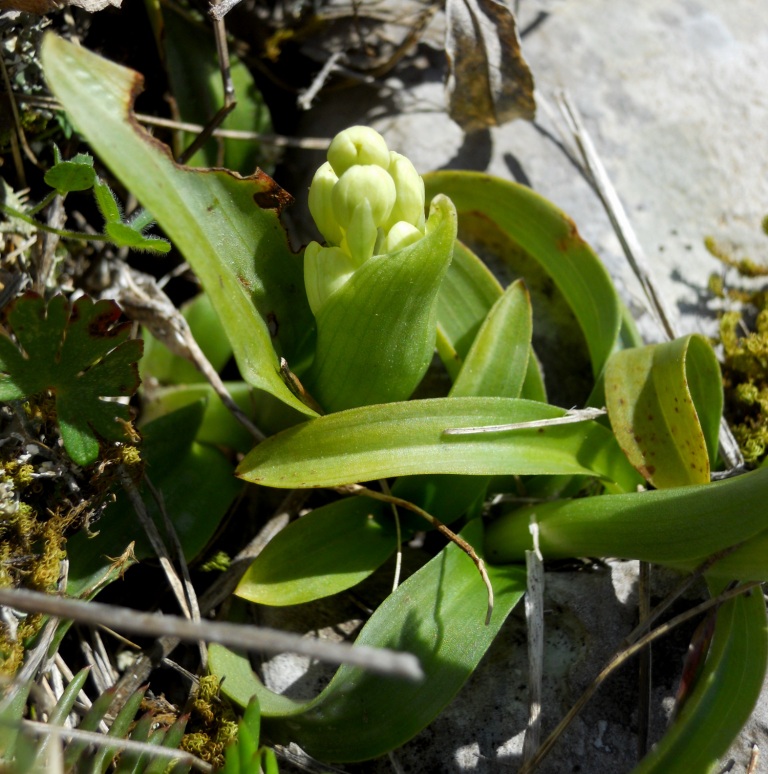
(489, 82)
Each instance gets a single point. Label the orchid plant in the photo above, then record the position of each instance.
(333, 346)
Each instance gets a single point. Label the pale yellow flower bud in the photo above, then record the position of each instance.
(326, 269)
(357, 145)
(409, 187)
(320, 203)
(363, 182)
(399, 236)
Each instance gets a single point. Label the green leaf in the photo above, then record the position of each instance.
(376, 334)
(197, 488)
(82, 357)
(206, 328)
(406, 438)
(665, 402)
(725, 693)
(497, 363)
(74, 175)
(466, 296)
(123, 235)
(551, 239)
(107, 202)
(438, 615)
(340, 545)
(227, 227)
(677, 527)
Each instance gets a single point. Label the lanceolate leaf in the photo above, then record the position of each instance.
(551, 239)
(725, 693)
(407, 438)
(665, 402)
(497, 363)
(226, 226)
(376, 334)
(81, 356)
(678, 527)
(438, 615)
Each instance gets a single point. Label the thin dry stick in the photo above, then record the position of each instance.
(357, 489)
(596, 174)
(380, 660)
(103, 740)
(154, 538)
(620, 658)
(189, 590)
(398, 536)
(219, 590)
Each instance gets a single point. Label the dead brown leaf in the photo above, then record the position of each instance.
(489, 82)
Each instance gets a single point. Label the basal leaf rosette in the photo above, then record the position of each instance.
(373, 287)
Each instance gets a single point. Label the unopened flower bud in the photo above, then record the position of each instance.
(320, 203)
(364, 182)
(357, 145)
(409, 187)
(326, 269)
(399, 236)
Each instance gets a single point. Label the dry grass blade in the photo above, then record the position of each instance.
(379, 660)
(570, 417)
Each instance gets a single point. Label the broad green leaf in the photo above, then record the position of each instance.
(206, 328)
(725, 693)
(467, 294)
(376, 334)
(438, 615)
(406, 438)
(497, 363)
(81, 356)
(678, 527)
(218, 427)
(665, 402)
(196, 485)
(340, 545)
(226, 226)
(195, 81)
(77, 174)
(550, 238)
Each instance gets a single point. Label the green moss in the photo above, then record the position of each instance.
(212, 721)
(745, 354)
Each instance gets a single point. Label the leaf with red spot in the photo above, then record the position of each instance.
(665, 402)
(82, 356)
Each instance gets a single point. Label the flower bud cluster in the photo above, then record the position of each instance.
(366, 200)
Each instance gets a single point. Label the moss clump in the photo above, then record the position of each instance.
(212, 721)
(744, 339)
(44, 497)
